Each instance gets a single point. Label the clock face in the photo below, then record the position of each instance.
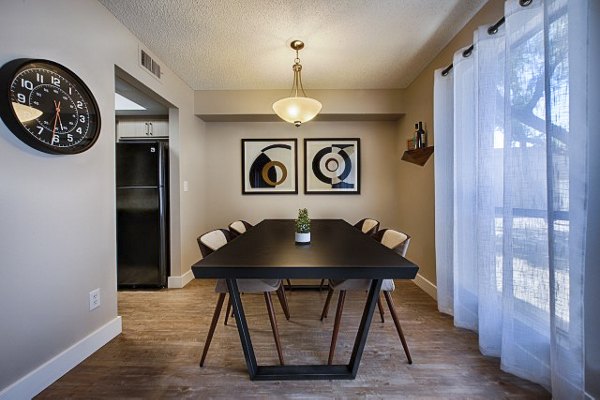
(48, 107)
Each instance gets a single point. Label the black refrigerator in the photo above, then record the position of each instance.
(142, 214)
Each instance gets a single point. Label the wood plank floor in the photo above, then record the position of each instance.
(157, 355)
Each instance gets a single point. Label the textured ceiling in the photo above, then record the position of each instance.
(352, 44)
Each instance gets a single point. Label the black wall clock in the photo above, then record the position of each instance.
(48, 107)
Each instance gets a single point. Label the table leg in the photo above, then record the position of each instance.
(303, 372)
(242, 325)
(363, 328)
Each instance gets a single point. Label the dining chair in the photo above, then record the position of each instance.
(395, 240)
(368, 226)
(239, 227)
(212, 241)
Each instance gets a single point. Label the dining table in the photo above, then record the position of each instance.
(337, 250)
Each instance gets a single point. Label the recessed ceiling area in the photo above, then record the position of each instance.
(150, 105)
(239, 45)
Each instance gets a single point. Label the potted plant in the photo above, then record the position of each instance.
(303, 227)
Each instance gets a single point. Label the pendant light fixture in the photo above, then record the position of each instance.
(298, 108)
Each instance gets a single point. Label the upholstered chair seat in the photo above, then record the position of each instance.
(360, 284)
(250, 285)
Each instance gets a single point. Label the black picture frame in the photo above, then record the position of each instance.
(338, 174)
(267, 168)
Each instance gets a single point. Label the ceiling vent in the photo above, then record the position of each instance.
(149, 64)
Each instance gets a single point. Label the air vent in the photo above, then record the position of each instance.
(147, 62)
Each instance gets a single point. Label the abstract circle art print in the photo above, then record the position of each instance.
(269, 166)
(332, 166)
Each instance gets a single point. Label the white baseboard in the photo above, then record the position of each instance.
(43, 376)
(177, 282)
(426, 286)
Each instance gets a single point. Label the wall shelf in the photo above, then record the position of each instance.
(418, 156)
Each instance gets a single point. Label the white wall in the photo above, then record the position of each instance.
(57, 213)
(379, 162)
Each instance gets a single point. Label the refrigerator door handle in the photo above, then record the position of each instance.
(161, 165)
(162, 205)
(163, 212)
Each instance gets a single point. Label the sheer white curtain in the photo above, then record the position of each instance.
(464, 165)
(514, 271)
(443, 104)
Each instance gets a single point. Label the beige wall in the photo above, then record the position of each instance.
(225, 203)
(409, 206)
(416, 184)
(192, 210)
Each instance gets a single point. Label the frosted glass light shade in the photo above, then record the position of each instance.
(297, 110)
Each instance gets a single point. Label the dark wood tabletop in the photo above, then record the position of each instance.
(337, 251)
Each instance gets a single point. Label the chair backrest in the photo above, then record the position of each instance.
(368, 226)
(213, 240)
(239, 227)
(395, 240)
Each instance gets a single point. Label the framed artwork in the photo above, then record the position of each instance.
(332, 166)
(269, 166)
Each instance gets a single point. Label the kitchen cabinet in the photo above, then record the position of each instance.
(142, 128)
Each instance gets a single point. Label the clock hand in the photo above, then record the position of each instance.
(54, 128)
(57, 105)
(62, 128)
(57, 117)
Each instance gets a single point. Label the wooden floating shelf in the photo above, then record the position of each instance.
(418, 156)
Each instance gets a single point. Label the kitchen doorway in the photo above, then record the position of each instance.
(142, 185)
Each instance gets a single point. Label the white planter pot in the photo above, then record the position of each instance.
(302, 238)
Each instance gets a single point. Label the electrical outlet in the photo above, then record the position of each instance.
(94, 299)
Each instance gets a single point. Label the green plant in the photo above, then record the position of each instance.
(303, 221)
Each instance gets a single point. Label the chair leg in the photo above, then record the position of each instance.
(228, 310)
(213, 325)
(283, 301)
(326, 306)
(321, 284)
(274, 325)
(390, 303)
(380, 305)
(336, 326)
(289, 283)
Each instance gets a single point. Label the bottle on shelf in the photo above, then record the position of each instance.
(422, 134)
(418, 137)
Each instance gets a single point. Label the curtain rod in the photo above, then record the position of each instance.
(491, 31)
